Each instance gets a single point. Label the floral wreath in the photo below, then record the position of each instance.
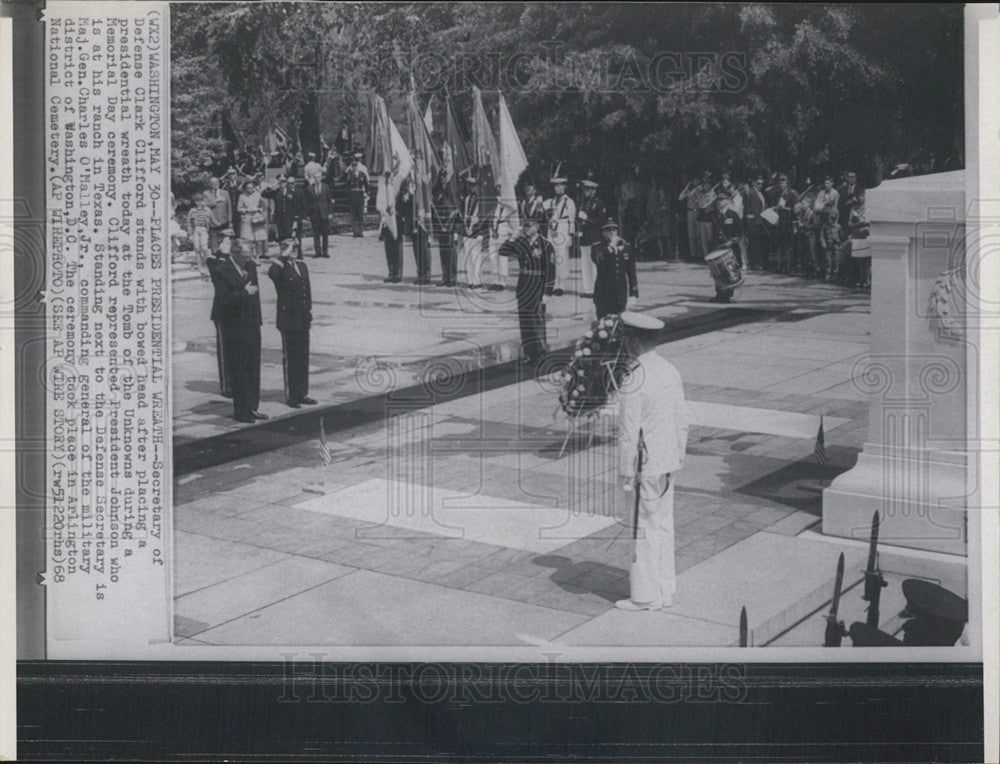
(596, 369)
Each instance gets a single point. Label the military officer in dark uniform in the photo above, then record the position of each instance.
(418, 236)
(223, 337)
(287, 209)
(294, 316)
(535, 280)
(590, 215)
(393, 245)
(356, 178)
(240, 314)
(444, 219)
(615, 263)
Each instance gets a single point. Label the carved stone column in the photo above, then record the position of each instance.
(913, 467)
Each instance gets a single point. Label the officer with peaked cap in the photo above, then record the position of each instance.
(561, 212)
(591, 214)
(224, 347)
(614, 262)
(536, 272)
(652, 441)
(469, 242)
(294, 317)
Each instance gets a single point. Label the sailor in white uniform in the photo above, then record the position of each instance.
(561, 213)
(652, 441)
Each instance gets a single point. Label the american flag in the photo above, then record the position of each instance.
(820, 449)
(324, 447)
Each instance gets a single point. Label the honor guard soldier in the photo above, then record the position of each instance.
(469, 242)
(287, 210)
(616, 281)
(294, 317)
(223, 337)
(725, 232)
(532, 205)
(405, 205)
(393, 244)
(501, 229)
(652, 442)
(561, 212)
(536, 275)
(589, 217)
(357, 181)
(240, 314)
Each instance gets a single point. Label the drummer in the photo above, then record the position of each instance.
(726, 231)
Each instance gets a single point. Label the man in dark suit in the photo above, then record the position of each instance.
(753, 205)
(393, 245)
(851, 199)
(784, 199)
(223, 337)
(287, 212)
(319, 205)
(291, 282)
(239, 297)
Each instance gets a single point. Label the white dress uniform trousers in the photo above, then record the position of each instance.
(652, 404)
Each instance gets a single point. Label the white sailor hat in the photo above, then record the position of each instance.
(641, 321)
(557, 181)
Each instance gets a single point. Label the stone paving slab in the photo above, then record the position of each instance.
(366, 608)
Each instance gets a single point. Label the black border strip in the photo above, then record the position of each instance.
(501, 712)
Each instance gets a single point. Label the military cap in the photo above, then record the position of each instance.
(927, 600)
(557, 181)
(358, 155)
(641, 322)
(588, 183)
(228, 232)
(610, 223)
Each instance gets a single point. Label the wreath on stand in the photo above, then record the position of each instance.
(595, 371)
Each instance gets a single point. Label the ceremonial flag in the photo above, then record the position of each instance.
(425, 165)
(388, 160)
(513, 161)
(324, 447)
(455, 154)
(324, 149)
(486, 158)
(820, 449)
(429, 116)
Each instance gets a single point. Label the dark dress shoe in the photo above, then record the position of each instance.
(422, 282)
(496, 287)
(293, 404)
(587, 294)
(245, 419)
(226, 395)
(557, 292)
(307, 400)
(258, 415)
(441, 283)
(387, 280)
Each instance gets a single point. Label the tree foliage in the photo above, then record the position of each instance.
(801, 88)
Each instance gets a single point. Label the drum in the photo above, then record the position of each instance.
(725, 267)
